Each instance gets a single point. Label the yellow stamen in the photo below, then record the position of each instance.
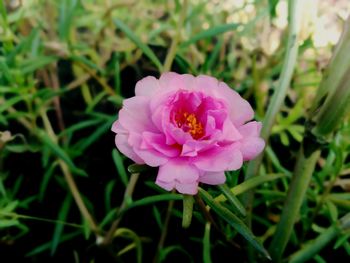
(189, 123)
(196, 128)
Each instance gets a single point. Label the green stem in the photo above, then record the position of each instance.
(327, 114)
(125, 203)
(69, 177)
(174, 44)
(299, 185)
(234, 201)
(311, 249)
(164, 231)
(279, 93)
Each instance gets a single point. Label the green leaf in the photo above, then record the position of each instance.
(145, 49)
(4, 223)
(84, 143)
(234, 201)
(206, 244)
(88, 63)
(3, 11)
(211, 59)
(79, 126)
(155, 198)
(67, 11)
(309, 250)
(333, 210)
(5, 71)
(47, 246)
(62, 216)
(45, 181)
(157, 217)
(10, 207)
(250, 184)
(341, 241)
(164, 253)
(117, 81)
(138, 168)
(10, 102)
(187, 210)
(108, 194)
(284, 138)
(118, 161)
(233, 221)
(32, 64)
(211, 32)
(272, 8)
(59, 152)
(129, 234)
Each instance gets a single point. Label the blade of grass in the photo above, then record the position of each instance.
(59, 152)
(145, 49)
(234, 201)
(46, 246)
(206, 244)
(211, 32)
(62, 216)
(118, 161)
(233, 221)
(250, 184)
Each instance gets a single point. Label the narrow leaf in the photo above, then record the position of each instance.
(250, 184)
(233, 221)
(145, 49)
(211, 32)
(59, 152)
(137, 168)
(120, 166)
(206, 244)
(234, 201)
(187, 210)
(59, 227)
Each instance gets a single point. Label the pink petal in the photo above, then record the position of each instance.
(158, 142)
(240, 109)
(237, 160)
(251, 147)
(229, 132)
(166, 185)
(250, 129)
(121, 141)
(213, 178)
(178, 171)
(189, 189)
(135, 115)
(192, 147)
(118, 128)
(167, 78)
(219, 159)
(151, 157)
(206, 84)
(147, 86)
(174, 81)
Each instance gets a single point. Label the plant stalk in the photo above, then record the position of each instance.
(174, 44)
(279, 94)
(299, 185)
(328, 113)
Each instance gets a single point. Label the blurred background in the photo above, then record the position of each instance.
(66, 66)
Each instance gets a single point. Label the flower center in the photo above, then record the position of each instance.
(189, 123)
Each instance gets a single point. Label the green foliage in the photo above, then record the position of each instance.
(65, 68)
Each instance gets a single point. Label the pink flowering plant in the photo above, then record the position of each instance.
(192, 128)
(181, 145)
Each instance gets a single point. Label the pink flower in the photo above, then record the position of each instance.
(193, 128)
